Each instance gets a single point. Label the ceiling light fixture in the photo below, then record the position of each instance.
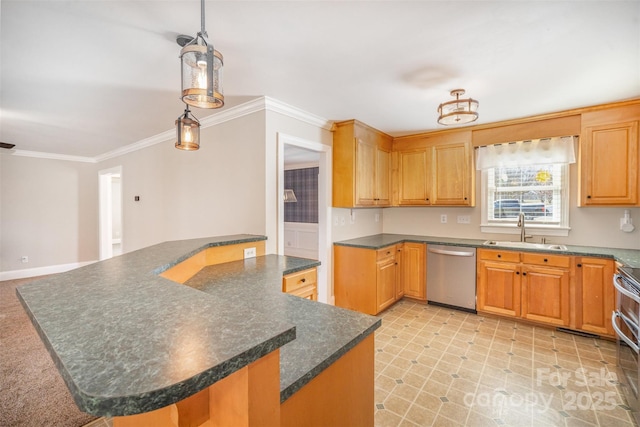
(201, 69)
(458, 112)
(188, 131)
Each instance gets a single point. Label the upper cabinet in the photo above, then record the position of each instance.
(609, 157)
(361, 166)
(434, 170)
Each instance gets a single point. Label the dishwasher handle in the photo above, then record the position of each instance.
(451, 253)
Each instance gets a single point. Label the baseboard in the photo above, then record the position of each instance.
(41, 271)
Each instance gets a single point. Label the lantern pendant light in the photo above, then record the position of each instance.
(201, 70)
(188, 131)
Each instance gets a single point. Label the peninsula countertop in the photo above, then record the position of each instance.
(128, 341)
(628, 257)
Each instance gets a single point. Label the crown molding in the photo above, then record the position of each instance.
(52, 156)
(262, 103)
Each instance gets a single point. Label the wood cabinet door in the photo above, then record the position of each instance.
(545, 294)
(414, 266)
(609, 164)
(365, 173)
(498, 288)
(451, 169)
(413, 178)
(386, 273)
(382, 193)
(594, 295)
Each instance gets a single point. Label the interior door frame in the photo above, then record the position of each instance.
(325, 293)
(105, 210)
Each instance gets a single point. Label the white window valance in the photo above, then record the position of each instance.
(520, 153)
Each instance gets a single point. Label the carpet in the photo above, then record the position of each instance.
(32, 392)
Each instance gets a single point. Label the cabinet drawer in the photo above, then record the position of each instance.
(388, 252)
(546, 259)
(496, 255)
(294, 281)
(308, 292)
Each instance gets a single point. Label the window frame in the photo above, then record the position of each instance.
(510, 227)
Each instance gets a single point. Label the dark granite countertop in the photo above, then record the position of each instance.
(127, 341)
(323, 332)
(628, 257)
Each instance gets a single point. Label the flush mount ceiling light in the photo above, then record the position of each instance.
(188, 131)
(201, 69)
(459, 111)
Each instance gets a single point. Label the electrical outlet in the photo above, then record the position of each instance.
(377, 217)
(342, 221)
(24, 259)
(250, 253)
(464, 219)
(443, 218)
(336, 221)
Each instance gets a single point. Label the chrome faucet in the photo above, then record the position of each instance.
(523, 235)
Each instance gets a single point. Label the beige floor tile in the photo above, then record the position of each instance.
(449, 368)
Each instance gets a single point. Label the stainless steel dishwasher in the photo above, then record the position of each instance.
(451, 276)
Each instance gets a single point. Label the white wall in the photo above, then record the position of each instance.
(352, 223)
(49, 212)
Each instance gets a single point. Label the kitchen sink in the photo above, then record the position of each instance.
(525, 245)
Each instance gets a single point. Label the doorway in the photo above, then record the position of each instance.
(300, 153)
(110, 212)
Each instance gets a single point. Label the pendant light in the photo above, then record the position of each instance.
(188, 131)
(459, 111)
(201, 69)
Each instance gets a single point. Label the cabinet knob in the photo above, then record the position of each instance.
(546, 260)
(579, 265)
(465, 198)
(524, 274)
(427, 200)
(303, 280)
(517, 272)
(499, 256)
(588, 197)
(388, 252)
(396, 263)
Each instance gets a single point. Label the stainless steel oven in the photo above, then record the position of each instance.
(626, 323)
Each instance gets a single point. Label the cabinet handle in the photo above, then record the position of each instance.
(303, 280)
(579, 265)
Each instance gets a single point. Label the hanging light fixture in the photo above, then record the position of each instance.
(290, 196)
(201, 69)
(188, 131)
(458, 112)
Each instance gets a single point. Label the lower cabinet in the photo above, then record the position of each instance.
(303, 284)
(369, 280)
(414, 270)
(498, 285)
(595, 295)
(366, 280)
(556, 290)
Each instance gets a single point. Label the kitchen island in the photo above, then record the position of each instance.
(127, 340)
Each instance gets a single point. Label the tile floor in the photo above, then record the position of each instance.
(441, 367)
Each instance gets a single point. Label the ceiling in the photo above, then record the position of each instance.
(87, 77)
